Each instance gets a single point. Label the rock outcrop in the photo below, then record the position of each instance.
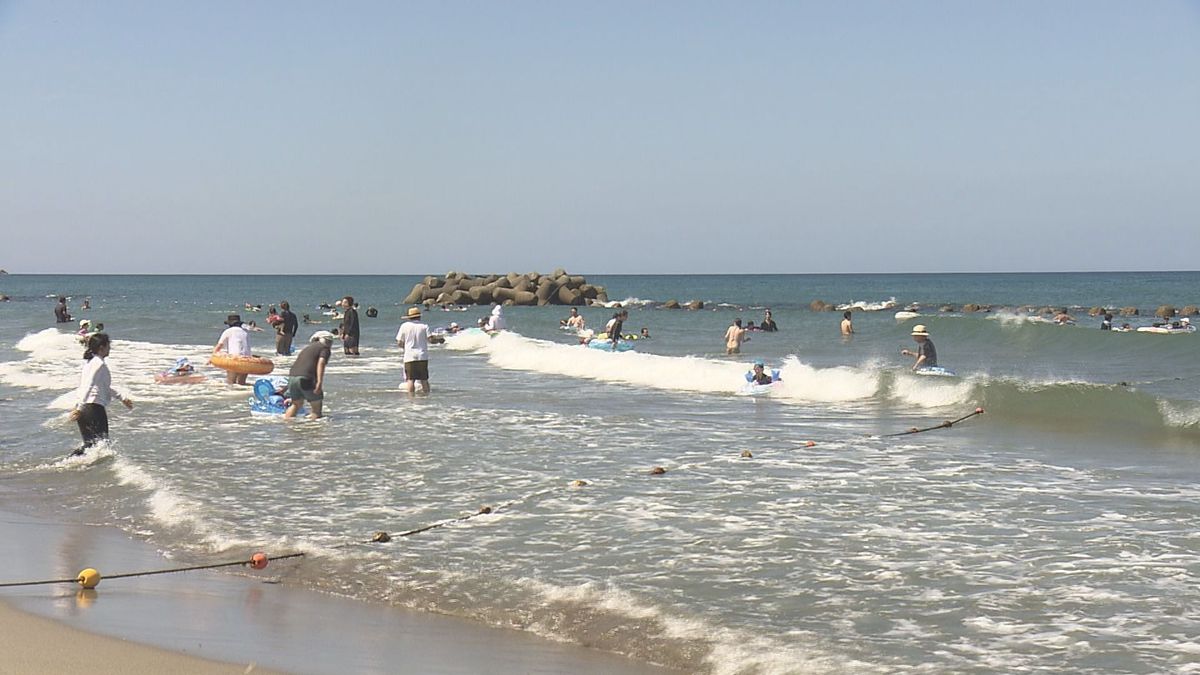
(1165, 311)
(671, 304)
(532, 288)
(1129, 311)
(1190, 310)
(820, 306)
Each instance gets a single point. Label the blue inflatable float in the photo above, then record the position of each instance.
(266, 399)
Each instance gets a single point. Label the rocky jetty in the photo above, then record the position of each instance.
(531, 288)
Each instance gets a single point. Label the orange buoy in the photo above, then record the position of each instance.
(88, 578)
(259, 561)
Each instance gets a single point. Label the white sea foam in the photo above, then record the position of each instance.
(731, 651)
(801, 382)
(627, 302)
(166, 505)
(864, 306)
(931, 392)
(804, 383)
(1180, 415)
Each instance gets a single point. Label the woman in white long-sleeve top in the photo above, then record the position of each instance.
(95, 393)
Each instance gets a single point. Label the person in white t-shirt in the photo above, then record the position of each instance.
(413, 337)
(236, 342)
(95, 393)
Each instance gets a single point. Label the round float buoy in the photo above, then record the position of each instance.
(259, 560)
(657, 471)
(578, 483)
(747, 453)
(88, 578)
(810, 444)
(381, 537)
(979, 411)
(485, 509)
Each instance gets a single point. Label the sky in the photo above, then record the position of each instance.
(618, 137)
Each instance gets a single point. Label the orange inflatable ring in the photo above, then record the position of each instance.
(243, 365)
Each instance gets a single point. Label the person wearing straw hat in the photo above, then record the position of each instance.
(235, 340)
(926, 353)
(413, 337)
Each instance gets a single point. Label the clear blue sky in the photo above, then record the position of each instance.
(362, 137)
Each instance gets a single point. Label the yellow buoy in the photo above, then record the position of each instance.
(88, 578)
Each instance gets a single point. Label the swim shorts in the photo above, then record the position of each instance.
(299, 387)
(416, 370)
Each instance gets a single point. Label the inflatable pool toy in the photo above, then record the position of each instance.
(753, 388)
(266, 399)
(935, 371)
(606, 345)
(1183, 327)
(245, 365)
(181, 373)
(906, 315)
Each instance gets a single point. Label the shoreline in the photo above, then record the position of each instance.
(211, 622)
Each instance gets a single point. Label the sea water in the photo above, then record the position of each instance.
(1054, 532)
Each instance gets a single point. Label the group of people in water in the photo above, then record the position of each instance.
(306, 377)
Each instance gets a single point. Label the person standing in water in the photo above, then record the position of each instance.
(926, 353)
(847, 323)
(236, 341)
(496, 322)
(350, 328)
(413, 337)
(61, 315)
(734, 337)
(615, 327)
(288, 325)
(95, 393)
(768, 323)
(306, 379)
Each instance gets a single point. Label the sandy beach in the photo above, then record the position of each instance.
(211, 622)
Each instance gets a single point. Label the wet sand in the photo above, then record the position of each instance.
(214, 622)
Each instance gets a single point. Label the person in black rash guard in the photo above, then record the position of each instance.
(350, 328)
(61, 315)
(615, 326)
(759, 376)
(768, 323)
(926, 353)
(286, 330)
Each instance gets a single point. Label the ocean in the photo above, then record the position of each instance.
(1056, 531)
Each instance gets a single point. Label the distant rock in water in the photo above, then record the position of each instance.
(695, 305)
(531, 288)
(820, 306)
(1129, 311)
(1190, 310)
(671, 304)
(1165, 311)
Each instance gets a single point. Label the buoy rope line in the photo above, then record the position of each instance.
(89, 578)
(944, 425)
(383, 537)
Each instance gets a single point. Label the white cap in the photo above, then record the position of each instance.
(321, 335)
(84, 322)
